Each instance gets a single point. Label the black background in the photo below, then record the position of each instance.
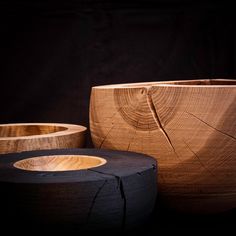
(53, 52)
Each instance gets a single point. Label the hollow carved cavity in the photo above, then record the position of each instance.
(60, 163)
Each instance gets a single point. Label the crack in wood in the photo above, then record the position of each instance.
(100, 146)
(157, 118)
(122, 193)
(201, 163)
(94, 200)
(132, 139)
(228, 135)
(158, 121)
(112, 116)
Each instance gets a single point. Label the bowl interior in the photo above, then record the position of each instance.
(59, 163)
(28, 130)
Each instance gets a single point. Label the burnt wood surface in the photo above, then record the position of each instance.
(118, 195)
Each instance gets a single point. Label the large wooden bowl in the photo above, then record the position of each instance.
(188, 126)
(76, 190)
(37, 136)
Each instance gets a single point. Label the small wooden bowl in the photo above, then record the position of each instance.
(188, 126)
(37, 136)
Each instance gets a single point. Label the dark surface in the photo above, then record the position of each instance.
(165, 222)
(118, 195)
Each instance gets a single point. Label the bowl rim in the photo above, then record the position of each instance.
(69, 129)
(170, 83)
(47, 160)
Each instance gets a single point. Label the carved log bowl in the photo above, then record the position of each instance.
(36, 136)
(188, 126)
(77, 189)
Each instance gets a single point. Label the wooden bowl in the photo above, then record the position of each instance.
(37, 136)
(188, 126)
(75, 190)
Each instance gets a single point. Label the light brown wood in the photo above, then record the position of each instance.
(60, 163)
(188, 126)
(37, 136)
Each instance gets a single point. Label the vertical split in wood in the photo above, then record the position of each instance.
(122, 193)
(94, 200)
(157, 118)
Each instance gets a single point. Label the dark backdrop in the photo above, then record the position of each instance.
(52, 53)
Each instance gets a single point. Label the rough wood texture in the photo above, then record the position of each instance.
(38, 136)
(120, 194)
(188, 126)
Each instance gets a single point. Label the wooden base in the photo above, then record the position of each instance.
(188, 126)
(38, 136)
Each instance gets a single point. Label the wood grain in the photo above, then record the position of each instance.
(188, 126)
(38, 136)
(59, 163)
